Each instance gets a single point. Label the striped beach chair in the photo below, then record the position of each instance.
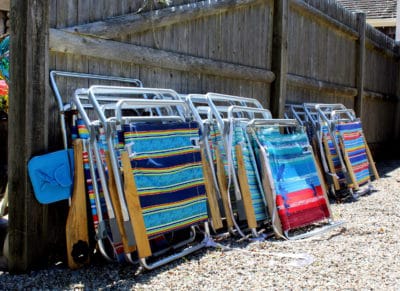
(336, 174)
(244, 167)
(103, 217)
(163, 183)
(107, 234)
(235, 169)
(334, 158)
(348, 151)
(291, 179)
(306, 116)
(355, 149)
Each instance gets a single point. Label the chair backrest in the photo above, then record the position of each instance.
(294, 186)
(166, 165)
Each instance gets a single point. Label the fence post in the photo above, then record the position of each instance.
(280, 57)
(360, 70)
(27, 131)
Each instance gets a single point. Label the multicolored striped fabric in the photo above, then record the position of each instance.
(354, 145)
(299, 195)
(215, 141)
(334, 155)
(83, 133)
(167, 169)
(240, 137)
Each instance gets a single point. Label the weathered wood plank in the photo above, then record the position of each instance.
(114, 51)
(371, 44)
(380, 96)
(53, 13)
(95, 11)
(28, 228)
(280, 59)
(358, 101)
(320, 86)
(5, 5)
(83, 11)
(322, 18)
(139, 22)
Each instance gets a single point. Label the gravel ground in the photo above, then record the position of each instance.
(364, 254)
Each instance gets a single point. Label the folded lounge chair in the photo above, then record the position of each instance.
(235, 169)
(292, 183)
(244, 167)
(307, 117)
(335, 169)
(355, 149)
(164, 189)
(348, 141)
(99, 142)
(103, 220)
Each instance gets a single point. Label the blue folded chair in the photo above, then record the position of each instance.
(292, 182)
(164, 183)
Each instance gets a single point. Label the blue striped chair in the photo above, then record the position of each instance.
(164, 183)
(292, 182)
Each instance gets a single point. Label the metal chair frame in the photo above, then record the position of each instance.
(63, 108)
(272, 189)
(116, 121)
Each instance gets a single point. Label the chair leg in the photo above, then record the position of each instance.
(245, 190)
(371, 160)
(135, 211)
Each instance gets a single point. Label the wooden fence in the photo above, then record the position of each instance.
(277, 51)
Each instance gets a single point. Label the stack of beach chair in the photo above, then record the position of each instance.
(342, 150)
(165, 173)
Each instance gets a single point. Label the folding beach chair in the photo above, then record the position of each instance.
(243, 164)
(103, 217)
(104, 213)
(296, 195)
(214, 196)
(354, 147)
(214, 151)
(166, 193)
(338, 155)
(336, 173)
(306, 115)
(106, 99)
(298, 112)
(64, 105)
(236, 172)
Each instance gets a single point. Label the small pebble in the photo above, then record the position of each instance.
(362, 255)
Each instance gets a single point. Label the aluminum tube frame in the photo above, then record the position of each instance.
(204, 127)
(348, 112)
(274, 122)
(108, 129)
(147, 104)
(318, 231)
(92, 146)
(331, 130)
(57, 94)
(184, 252)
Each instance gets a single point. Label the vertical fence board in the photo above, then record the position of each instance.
(280, 60)
(358, 102)
(29, 226)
